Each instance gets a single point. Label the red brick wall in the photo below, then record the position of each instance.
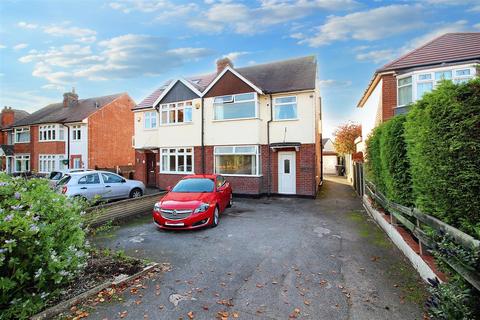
(110, 132)
(389, 96)
(140, 166)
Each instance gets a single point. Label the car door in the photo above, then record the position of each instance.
(115, 186)
(90, 186)
(222, 192)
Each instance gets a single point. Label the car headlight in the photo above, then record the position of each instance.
(202, 208)
(157, 207)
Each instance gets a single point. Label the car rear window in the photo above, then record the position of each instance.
(64, 180)
(55, 175)
(194, 185)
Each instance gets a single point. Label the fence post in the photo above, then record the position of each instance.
(421, 246)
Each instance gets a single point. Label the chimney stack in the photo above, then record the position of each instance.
(70, 98)
(223, 63)
(7, 116)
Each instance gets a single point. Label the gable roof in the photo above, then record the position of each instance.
(449, 47)
(188, 84)
(17, 116)
(324, 142)
(57, 113)
(296, 74)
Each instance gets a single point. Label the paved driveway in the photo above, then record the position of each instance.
(273, 259)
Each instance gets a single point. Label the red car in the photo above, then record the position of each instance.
(195, 201)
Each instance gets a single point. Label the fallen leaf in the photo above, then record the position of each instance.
(235, 314)
(306, 302)
(259, 285)
(191, 315)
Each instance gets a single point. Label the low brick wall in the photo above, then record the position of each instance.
(123, 209)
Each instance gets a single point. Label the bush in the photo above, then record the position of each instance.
(395, 167)
(373, 164)
(443, 143)
(41, 245)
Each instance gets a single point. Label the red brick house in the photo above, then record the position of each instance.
(76, 133)
(452, 56)
(7, 117)
(258, 125)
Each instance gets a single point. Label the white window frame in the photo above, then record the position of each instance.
(76, 161)
(50, 162)
(411, 84)
(21, 157)
(152, 115)
(22, 130)
(416, 78)
(76, 133)
(255, 100)
(278, 104)
(56, 130)
(175, 107)
(168, 152)
(256, 153)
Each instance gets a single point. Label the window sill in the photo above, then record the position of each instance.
(241, 175)
(237, 119)
(22, 142)
(179, 173)
(150, 129)
(282, 120)
(175, 124)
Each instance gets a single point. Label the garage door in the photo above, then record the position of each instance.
(329, 163)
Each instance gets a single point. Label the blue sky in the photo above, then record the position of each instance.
(105, 47)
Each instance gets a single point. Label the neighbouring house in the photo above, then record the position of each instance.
(329, 157)
(76, 133)
(452, 56)
(258, 125)
(7, 117)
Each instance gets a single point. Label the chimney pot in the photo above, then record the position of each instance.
(223, 63)
(70, 98)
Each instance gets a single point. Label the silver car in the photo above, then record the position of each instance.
(101, 184)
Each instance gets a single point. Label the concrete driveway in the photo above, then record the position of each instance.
(275, 258)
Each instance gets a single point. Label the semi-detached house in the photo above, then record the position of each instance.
(396, 85)
(259, 126)
(75, 133)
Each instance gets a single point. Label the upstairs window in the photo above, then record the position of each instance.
(77, 133)
(51, 132)
(239, 106)
(150, 120)
(22, 135)
(285, 108)
(179, 112)
(404, 91)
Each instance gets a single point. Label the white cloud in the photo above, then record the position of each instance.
(26, 25)
(28, 100)
(477, 26)
(79, 34)
(475, 8)
(331, 83)
(377, 56)
(52, 86)
(20, 46)
(373, 24)
(164, 9)
(2, 46)
(235, 55)
(120, 57)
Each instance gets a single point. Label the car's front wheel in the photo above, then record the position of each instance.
(136, 193)
(215, 217)
(230, 202)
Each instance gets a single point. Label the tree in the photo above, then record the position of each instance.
(345, 136)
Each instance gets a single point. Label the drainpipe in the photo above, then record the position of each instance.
(203, 136)
(269, 174)
(68, 146)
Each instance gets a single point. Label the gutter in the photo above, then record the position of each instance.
(269, 174)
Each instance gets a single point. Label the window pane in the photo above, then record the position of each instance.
(223, 99)
(425, 76)
(188, 115)
(180, 115)
(244, 97)
(235, 164)
(164, 116)
(245, 150)
(189, 163)
(223, 149)
(464, 72)
(171, 116)
(164, 162)
(235, 110)
(181, 163)
(286, 166)
(404, 81)
(404, 95)
(424, 87)
(173, 163)
(286, 100)
(443, 75)
(286, 111)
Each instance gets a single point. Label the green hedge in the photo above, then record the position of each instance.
(442, 132)
(41, 245)
(373, 165)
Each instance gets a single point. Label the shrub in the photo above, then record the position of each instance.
(374, 165)
(443, 145)
(41, 245)
(395, 167)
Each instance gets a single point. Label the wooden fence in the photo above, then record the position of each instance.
(122, 210)
(404, 215)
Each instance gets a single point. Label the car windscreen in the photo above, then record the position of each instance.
(55, 175)
(194, 185)
(64, 180)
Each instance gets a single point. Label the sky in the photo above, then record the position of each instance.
(105, 47)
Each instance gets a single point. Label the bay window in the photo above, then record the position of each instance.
(179, 112)
(22, 135)
(237, 160)
(238, 106)
(424, 84)
(176, 160)
(50, 162)
(405, 91)
(22, 163)
(150, 120)
(285, 108)
(51, 132)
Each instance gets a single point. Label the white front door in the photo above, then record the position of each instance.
(286, 173)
